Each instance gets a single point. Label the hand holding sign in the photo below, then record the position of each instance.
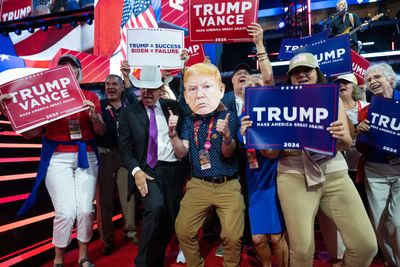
(255, 30)
(363, 126)
(336, 129)
(222, 127)
(125, 69)
(172, 123)
(184, 56)
(245, 123)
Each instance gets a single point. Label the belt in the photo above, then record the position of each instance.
(217, 179)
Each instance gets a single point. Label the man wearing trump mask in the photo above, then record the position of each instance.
(208, 136)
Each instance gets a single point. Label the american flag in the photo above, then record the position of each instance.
(135, 14)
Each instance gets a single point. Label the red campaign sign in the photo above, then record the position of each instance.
(221, 21)
(174, 12)
(42, 98)
(196, 52)
(360, 65)
(13, 10)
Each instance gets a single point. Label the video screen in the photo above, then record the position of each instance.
(11, 10)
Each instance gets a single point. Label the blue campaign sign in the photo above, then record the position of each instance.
(333, 56)
(289, 45)
(384, 118)
(292, 117)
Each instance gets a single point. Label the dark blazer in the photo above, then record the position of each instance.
(230, 102)
(134, 132)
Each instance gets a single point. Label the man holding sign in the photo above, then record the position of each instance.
(69, 167)
(382, 166)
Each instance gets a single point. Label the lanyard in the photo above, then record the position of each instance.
(358, 106)
(207, 144)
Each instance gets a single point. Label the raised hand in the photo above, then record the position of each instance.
(125, 68)
(184, 56)
(255, 30)
(172, 123)
(222, 127)
(246, 123)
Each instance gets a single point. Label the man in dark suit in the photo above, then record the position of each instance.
(158, 174)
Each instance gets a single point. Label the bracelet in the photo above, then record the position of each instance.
(227, 142)
(262, 59)
(260, 54)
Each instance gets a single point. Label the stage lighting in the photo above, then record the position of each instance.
(58, 25)
(31, 29)
(44, 28)
(18, 31)
(89, 21)
(281, 24)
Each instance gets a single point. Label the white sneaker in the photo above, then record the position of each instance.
(219, 252)
(180, 258)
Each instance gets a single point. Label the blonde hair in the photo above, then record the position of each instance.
(207, 69)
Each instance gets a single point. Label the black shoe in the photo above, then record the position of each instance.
(86, 260)
(107, 249)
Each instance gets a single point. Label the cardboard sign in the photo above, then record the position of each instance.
(221, 21)
(13, 10)
(289, 45)
(292, 117)
(384, 118)
(196, 52)
(333, 56)
(42, 98)
(155, 46)
(360, 65)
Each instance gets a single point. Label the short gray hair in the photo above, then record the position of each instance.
(119, 79)
(385, 69)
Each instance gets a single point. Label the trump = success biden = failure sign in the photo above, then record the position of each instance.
(155, 46)
(42, 98)
(384, 118)
(221, 21)
(292, 117)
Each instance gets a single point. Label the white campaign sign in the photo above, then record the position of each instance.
(150, 46)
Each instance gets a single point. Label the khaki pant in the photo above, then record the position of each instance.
(339, 200)
(112, 174)
(383, 191)
(229, 205)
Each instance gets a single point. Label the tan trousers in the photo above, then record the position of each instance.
(339, 200)
(111, 175)
(229, 205)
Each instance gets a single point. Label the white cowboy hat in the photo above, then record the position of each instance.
(150, 78)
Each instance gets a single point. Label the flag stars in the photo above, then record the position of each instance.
(4, 57)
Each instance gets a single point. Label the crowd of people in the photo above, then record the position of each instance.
(138, 142)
